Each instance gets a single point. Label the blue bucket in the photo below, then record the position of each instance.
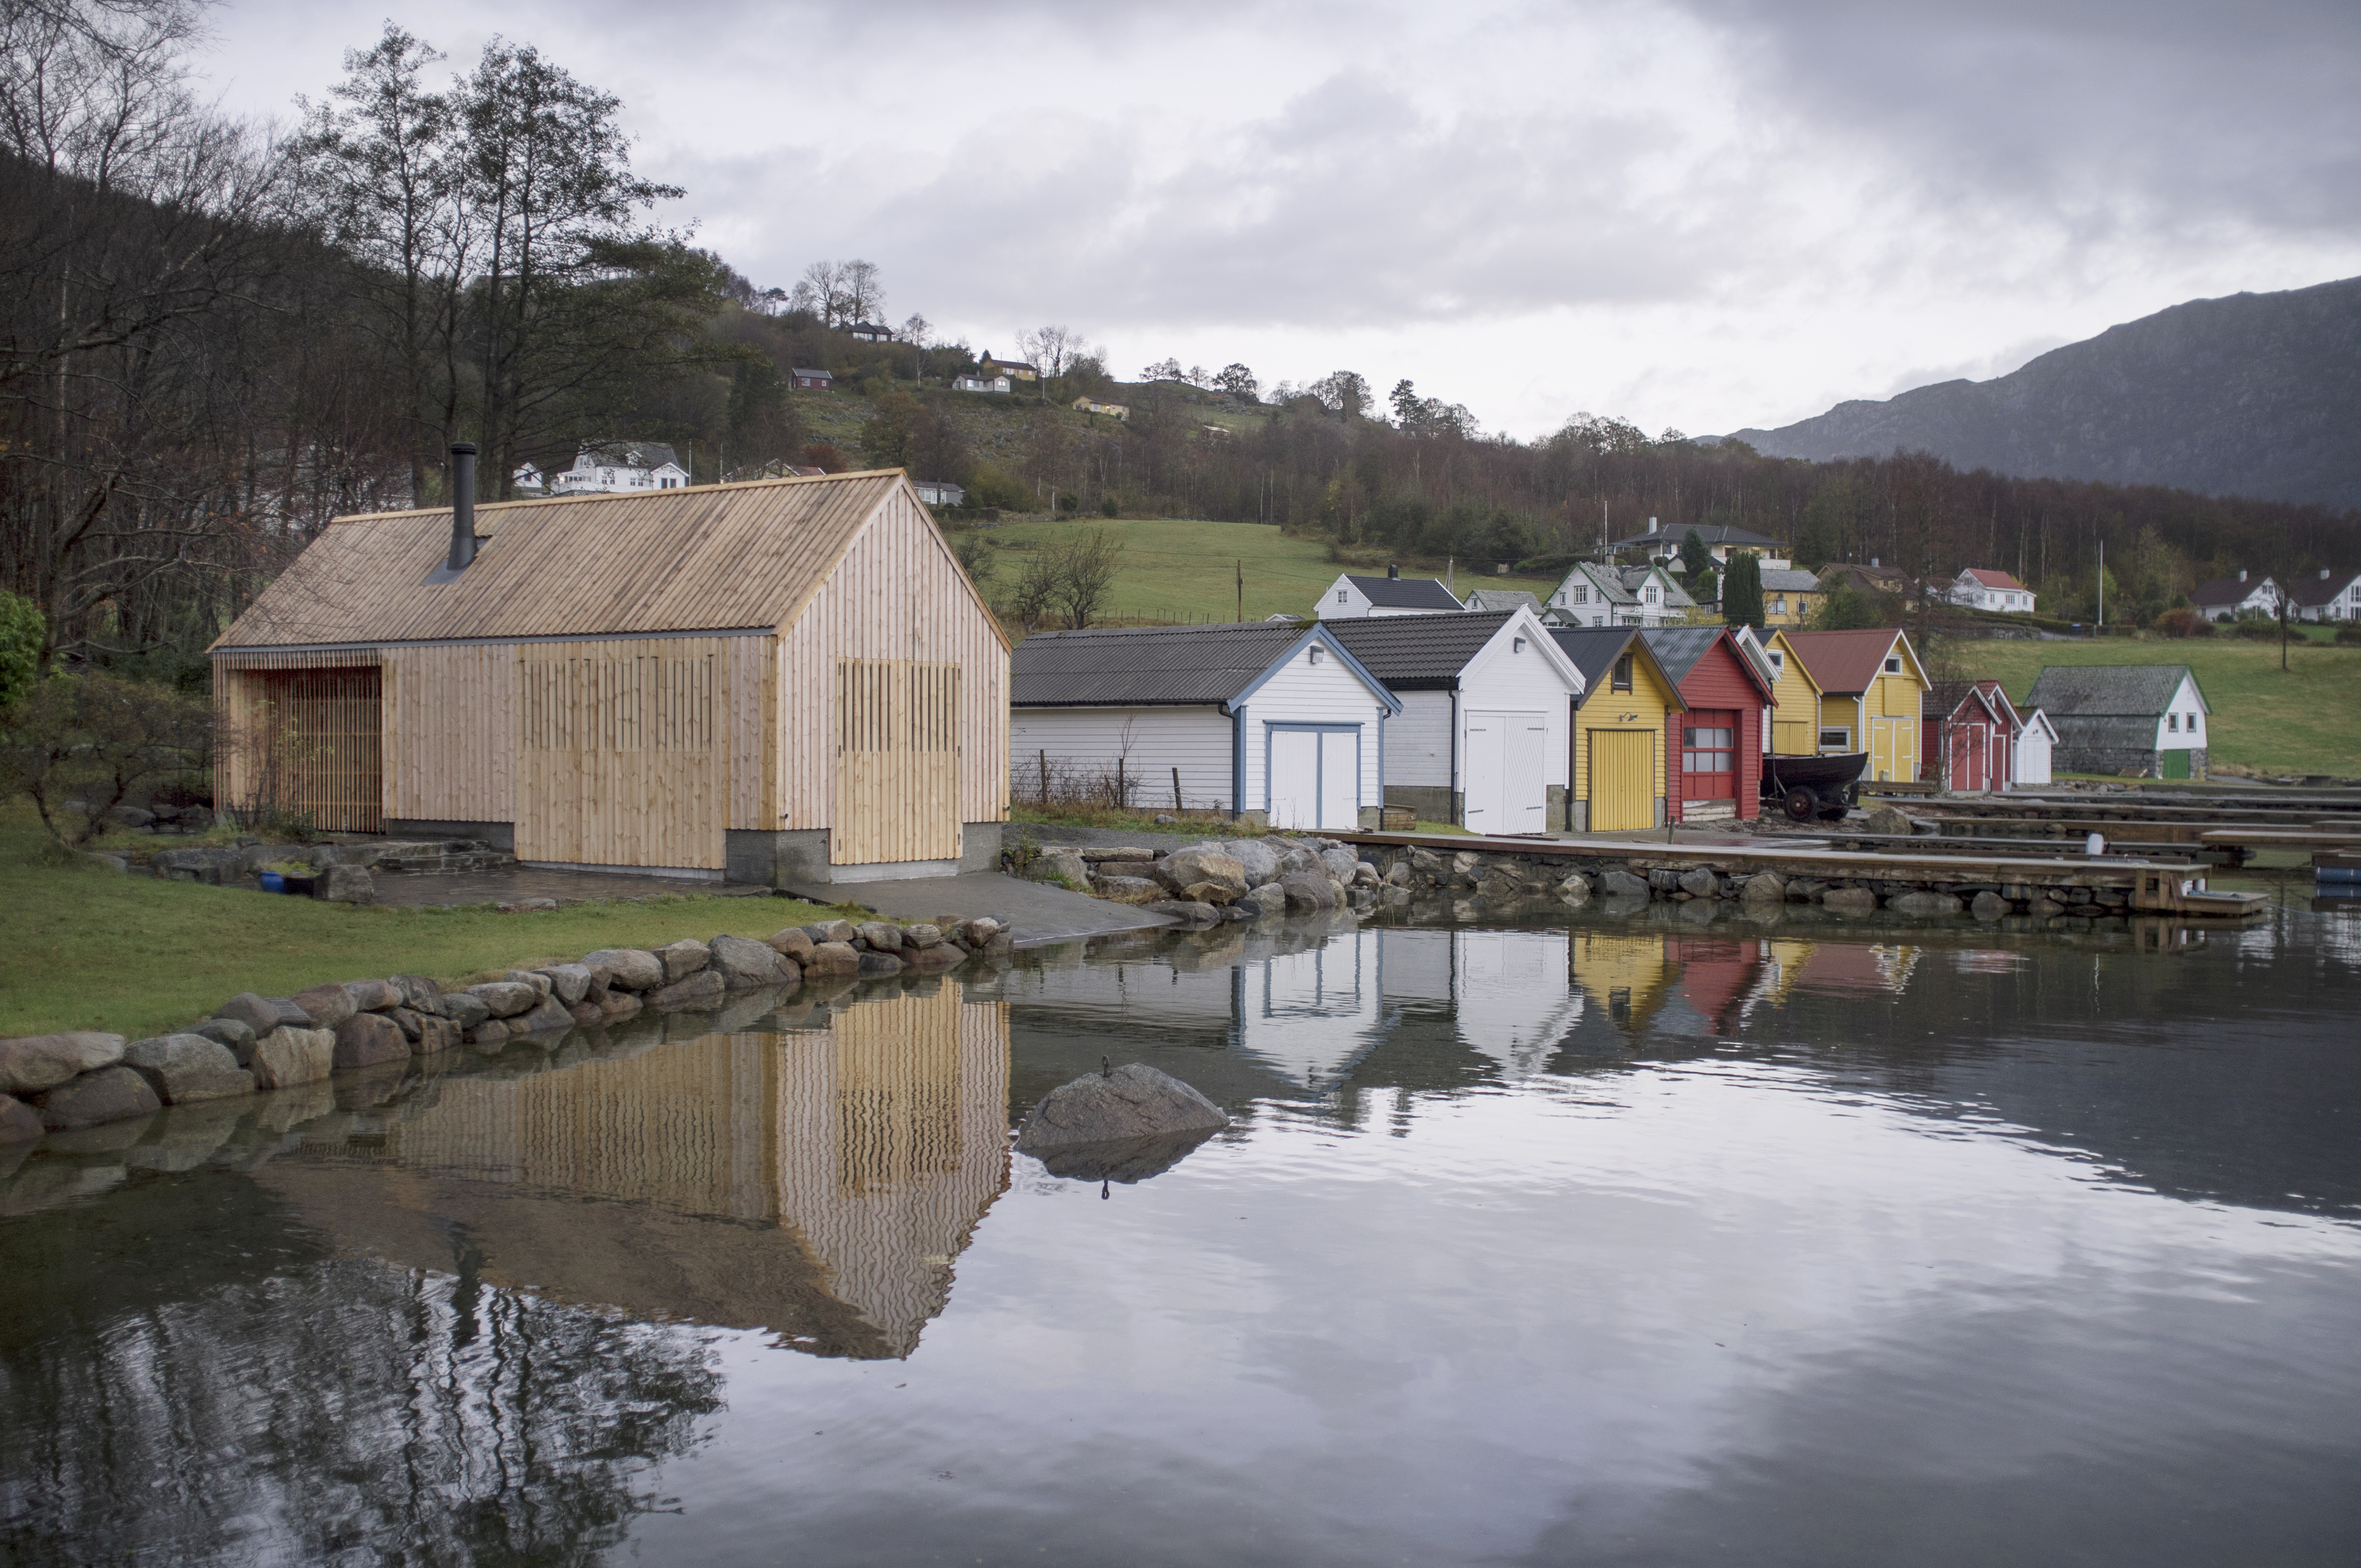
(273, 882)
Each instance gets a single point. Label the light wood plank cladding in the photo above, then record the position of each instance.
(619, 759)
(451, 732)
(896, 763)
(897, 596)
(302, 741)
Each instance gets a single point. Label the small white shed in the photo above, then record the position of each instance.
(1265, 717)
(1485, 711)
(2034, 744)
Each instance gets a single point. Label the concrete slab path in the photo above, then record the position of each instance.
(515, 885)
(1040, 914)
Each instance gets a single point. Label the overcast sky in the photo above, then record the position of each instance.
(1703, 214)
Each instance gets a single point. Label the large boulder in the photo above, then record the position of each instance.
(1342, 863)
(1058, 864)
(1306, 893)
(1620, 884)
(794, 942)
(110, 1094)
(875, 963)
(324, 1005)
(1990, 906)
(231, 1033)
(569, 982)
(832, 958)
(1574, 889)
(1213, 893)
(1120, 1126)
(367, 1038)
(506, 998)
(184, 1068)
(372, 995)
(626, 968)
(1256, 858)
(107, 1094)
(436, 1035)
(1203, 865)
(1127, 889)
(347, 884)
(920, 937)
(683, 958)
(263, 1013)
(19, 1121)
(419, 993)
(288, 1056)
(1849, 901)
(702, 988)
(1888, 819)
(1924, 903)
(744, 963)
(1293, 858)
(37, 1062)
(829, 931)
(883, 936)
(465, 1010)
(542, 988)
(1699, 884)
(547, 1013)
(1762, 887)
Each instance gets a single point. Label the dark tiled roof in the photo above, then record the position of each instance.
(2226, 591)
(1721, 533)
(1417, 653)
(1594, 648)
(1144, 666)
(1483, 600)
(1678, 648)
(1405, 593)
(2318, 589)
(2126, 690)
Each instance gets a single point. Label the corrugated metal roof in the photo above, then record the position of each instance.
(1594, 648)
(2140, 691)
(1405, 593)
(1484, 600)
(1418, 652)
(1843, 663)
(1144, 666)
(706, 558)
(1678, 648)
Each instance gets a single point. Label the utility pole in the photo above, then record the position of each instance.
(1242, 588)
(2102, 624)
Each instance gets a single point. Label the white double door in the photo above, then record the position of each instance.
(1502, 772)
(1315, 779)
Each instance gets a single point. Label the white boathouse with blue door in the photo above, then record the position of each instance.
(1269, 719)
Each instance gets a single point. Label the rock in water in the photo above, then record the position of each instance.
(1125, 1126)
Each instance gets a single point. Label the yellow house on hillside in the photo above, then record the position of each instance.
(1621, 730)
(1862, 690)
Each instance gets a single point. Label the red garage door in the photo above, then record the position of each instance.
(1709, 756)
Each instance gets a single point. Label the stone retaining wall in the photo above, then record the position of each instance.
(68, 1081)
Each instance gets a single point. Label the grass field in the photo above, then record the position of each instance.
(1186, 570)
(93, 949)
(2304, 720)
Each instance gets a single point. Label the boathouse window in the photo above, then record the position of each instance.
(1706, 749)
(1581, 593)
(1836, 740)
(2192, 724)
(2172, 723)
(1340, 595)
(1623, 681)
(1893, 666)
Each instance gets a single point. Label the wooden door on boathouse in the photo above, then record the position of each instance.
(621, 760)
(896, 763)
(306, 740)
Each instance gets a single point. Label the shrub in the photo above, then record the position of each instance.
(1108, 506)
(2183, 621)
(79, 745)
(2349, 634)
(20, 647)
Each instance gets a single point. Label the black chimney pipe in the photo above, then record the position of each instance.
(1393, 569)
(463, 506)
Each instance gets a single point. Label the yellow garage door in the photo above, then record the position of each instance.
(1891, 754)
(1622, 779)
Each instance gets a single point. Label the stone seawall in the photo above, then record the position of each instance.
(251, 1044)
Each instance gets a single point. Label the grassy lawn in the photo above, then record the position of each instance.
(92, 950)
(1186, 570)
(2306, 719)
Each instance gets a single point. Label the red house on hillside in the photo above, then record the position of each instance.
(1714, 752)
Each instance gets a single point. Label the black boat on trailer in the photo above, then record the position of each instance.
(1807, 787)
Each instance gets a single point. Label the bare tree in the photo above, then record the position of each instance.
(862, 288)
(1087, 570)
(914, 331)
(1052, 350)
(1036, 589)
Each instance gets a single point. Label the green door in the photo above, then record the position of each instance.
(2176, 764)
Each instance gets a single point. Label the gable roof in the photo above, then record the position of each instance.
(1636, 577)
(2321, 587)
(2230, 590)
(807, 370)
(1483, 599)
(1607, 581)
(1884, 579)
(2141, 691)
(628, 455)
(1996, 695)
(1152, 666)
(1842, 662)
(699, 558)
(1946, 698)
(1680, 649)
(1405, 593)
(1790, 581)
(1594, 648)
(1428, 652)
(1719, 533)
(1993, 579)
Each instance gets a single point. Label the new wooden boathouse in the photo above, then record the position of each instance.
(789, 680)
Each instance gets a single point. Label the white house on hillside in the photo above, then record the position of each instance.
(1592, 595)
(2331, 596)
(612, 467)
(1350, 598)
(2227, 598)
(1979, 588)
(1658, 544)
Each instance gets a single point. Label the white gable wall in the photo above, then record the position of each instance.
(1326, 693)
(1088, 741)
(1498, 680)
(2033, 744)
(2189, 735)
(1343, 601)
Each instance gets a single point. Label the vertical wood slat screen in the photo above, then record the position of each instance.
(620, 762)
(314, 744)
(898, 752)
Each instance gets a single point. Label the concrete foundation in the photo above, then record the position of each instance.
(498, 835)
(2120, 762)
(797, 858)
(1432, 802)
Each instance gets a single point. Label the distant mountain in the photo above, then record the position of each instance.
(2254, 395)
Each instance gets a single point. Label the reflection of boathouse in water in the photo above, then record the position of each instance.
(816, 1183)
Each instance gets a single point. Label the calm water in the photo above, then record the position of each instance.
(1601, 1242)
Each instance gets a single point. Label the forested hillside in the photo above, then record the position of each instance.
(215, 343)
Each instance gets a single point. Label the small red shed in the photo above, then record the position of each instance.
(1714, 751)
(1968, 726)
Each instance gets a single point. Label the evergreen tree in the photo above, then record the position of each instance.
(1742, 591)
(1696, 564)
